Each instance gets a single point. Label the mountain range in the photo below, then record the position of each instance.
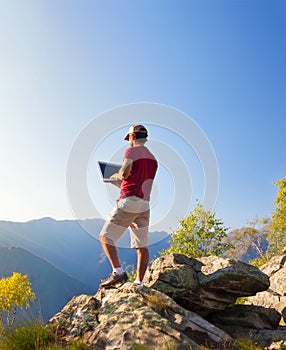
(61, 258)
(52, 287)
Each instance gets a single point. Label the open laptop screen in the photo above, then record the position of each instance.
(108, 169)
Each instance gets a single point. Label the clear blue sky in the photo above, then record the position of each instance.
(64, 62)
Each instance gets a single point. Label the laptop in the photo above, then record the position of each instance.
(108, 169)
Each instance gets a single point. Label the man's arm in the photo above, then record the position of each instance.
(124, 171)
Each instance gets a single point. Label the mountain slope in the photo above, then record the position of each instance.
(64, 244)
(67, 246)
(52, 287)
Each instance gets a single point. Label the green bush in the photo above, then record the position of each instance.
(247, 344)
(78, 345)
(200, 234)
(32, 336)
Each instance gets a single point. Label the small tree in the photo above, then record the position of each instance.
(15, 291)
(277, 236)
(200, 234)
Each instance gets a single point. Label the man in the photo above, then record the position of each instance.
(132, 210)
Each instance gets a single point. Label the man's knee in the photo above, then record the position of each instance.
(142, 251)
(106, 240)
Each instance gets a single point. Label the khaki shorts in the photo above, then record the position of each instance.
(132, 212)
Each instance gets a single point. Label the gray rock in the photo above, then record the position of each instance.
(165, 314)
(250, 316)
(207, 284)
(283, 309)
(274, 265)
(275, 296)
(266, 339)
(120, 318)
(76, 318)
(232, 276)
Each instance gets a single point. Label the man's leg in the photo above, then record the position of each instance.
(139, 241)
(111, 251)
(112, 230)
(118, 274)
(142, 262)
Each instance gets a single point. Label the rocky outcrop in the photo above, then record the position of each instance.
(265, 338)
(205, 285)
(272, 302)
(120, 318)
(184, 303)
(250, 316)
(275, 296)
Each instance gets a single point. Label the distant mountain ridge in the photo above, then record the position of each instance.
(60, 243)
(52, 287)
(67, 246)
(66, 256)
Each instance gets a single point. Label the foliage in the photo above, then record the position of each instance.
(238, 344)
(277, 237)
(78, 345)
(200, 234)
(132, 274)
(15, 291)
(247, 344)
(250, 239)
(261, 260)
(168, 345)
(241, 300)
(34, 336)
(157, 302)
(139, 347)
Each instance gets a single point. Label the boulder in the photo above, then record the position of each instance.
(119, 318)
(266, 339)
(232, 276)
(275, 296)
(204, 285)
(77, 317)
(250, 316)
(283, 310)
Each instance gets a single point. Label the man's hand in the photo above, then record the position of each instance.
(116, 177)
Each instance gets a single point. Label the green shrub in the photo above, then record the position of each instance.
(247, 344)
(139, 347)
(132, 274)
(78, 345)
(32, 336)
(200, 234)
(239, 344)
(261, 260)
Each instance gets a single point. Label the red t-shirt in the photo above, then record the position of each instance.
(142, 173)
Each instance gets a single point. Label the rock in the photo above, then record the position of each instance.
(120, 318)
(232, 276)
(283, 310)
(274, 265)
(207, 284)
(250, 316)
(266, 339)
(275, 296)
(77, 317)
